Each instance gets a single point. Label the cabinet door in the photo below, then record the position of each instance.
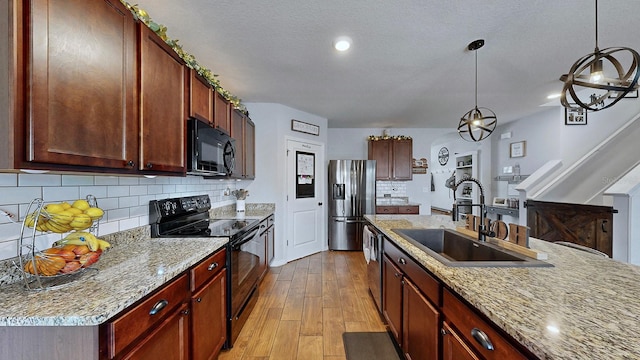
(392, 297)
(453, 348)
(200, 98)
(81, 84)
(209, 324)
(162, 105)
(222, 109)
(402, 152)
(420, 325)
(237, 132)
(380, 150)
(169, 341)
(249, 149)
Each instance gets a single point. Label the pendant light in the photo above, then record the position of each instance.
(589, 84)
(478, 123)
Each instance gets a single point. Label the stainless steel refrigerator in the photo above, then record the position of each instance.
(352, 194)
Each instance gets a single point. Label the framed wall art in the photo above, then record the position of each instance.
(303, 127)
(517, 149)
(575, 115)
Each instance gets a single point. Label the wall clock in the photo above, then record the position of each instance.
(443, 156)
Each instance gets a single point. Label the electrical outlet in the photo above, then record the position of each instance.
(226, 192)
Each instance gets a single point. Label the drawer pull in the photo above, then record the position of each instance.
(158, 307)
(212, 266)
(402, 261)
(482, 338)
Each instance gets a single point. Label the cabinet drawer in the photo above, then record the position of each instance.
(207, 269)
(386, 209)
(408, 209)
(429, 285)
(468, 322)
(124, 330)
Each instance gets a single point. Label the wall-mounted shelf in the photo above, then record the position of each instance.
(512, 179)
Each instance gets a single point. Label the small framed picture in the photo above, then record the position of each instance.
(517, 149)
(499, 201)
(575, 115)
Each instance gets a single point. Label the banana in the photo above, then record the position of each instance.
(103, 245)
(80, 238)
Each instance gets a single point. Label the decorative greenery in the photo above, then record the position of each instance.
(387, 137)
(189, 59)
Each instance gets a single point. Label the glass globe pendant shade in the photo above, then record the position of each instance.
(477, 124)
(598, 80)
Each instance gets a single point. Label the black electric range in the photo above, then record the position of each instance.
(188, 217)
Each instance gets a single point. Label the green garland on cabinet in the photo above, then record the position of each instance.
(189, 59)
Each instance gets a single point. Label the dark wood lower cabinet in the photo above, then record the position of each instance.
(420, 325)
(392, 297)
(209, 325)
(453, 347)
(169, 341)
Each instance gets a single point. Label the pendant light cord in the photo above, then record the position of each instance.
(596, 26)
(476, 51)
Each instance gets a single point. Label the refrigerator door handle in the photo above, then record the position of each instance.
(349, 221)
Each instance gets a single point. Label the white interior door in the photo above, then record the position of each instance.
(306, 186)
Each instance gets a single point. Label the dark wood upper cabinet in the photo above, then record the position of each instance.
(393, 158)
(237, 133)
(79, 83)
(163, 80)
(222, 108)
(200, 98)
(244, 132)
(250, 149)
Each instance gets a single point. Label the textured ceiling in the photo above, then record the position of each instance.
(408, 66)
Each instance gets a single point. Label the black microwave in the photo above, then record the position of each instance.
(210, 152)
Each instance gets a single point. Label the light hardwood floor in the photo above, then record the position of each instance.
(305, 306)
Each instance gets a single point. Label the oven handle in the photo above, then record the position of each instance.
(246, 238)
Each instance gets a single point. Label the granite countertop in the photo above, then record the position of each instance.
(131, 269)
(585, 307)
(395, 201)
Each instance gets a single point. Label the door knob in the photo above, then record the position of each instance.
(319, 204)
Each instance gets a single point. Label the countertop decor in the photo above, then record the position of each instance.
(584, 307)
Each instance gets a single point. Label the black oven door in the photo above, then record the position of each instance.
(247, 253)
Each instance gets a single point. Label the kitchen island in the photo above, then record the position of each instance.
(584, 307)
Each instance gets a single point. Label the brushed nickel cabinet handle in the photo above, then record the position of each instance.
(482, 338)
(158, 307)
(212, 266)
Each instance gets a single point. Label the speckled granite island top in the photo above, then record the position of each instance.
(127, 272)
(585, 307)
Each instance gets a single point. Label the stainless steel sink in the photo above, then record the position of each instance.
(455, 249)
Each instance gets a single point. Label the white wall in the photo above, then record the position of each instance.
(352, 144)
(273, 126)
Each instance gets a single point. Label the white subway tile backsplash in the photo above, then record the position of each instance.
(106, 180)
(71, 180)
(124, 199)
(128, 181)
(39, 180)
(97, 191)
(138, 190)
(61, 193)
(19, 195)
(116, 191)
(8, 179)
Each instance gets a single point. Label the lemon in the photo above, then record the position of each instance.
(65, 205)
(53, 208)
(94, 212)
(81, 204)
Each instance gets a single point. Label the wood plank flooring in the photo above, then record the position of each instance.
(305, 306)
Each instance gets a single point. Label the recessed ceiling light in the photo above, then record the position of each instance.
(554, 96)
(342, 43)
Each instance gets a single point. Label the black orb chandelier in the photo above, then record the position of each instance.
(590, 83)
(478, 123)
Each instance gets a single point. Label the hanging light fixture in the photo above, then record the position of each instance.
(478, 123)
(589, 73)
